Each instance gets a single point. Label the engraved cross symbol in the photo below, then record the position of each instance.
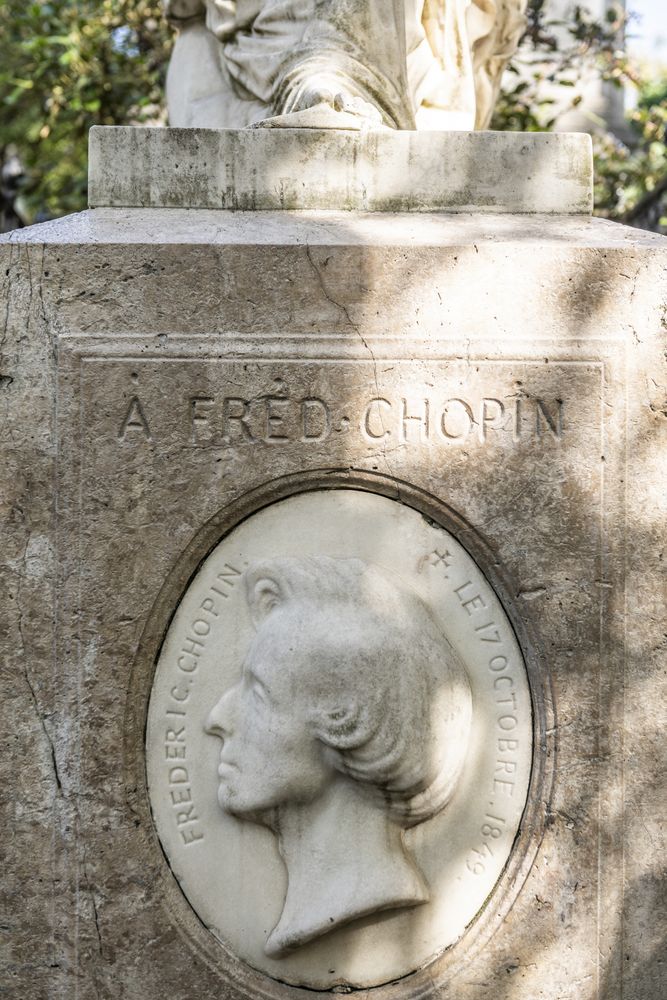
(441, 559)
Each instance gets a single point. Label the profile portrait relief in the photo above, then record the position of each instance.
(350, 724)
(322, 745)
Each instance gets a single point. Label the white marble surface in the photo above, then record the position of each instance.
(405, 63)
(339, 741)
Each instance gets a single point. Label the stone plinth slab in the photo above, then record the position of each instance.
(377, 171)
(168, 378)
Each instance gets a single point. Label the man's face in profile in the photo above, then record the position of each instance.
(269, 756)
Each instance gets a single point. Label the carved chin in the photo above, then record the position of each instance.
(228, 800)
(226, 797)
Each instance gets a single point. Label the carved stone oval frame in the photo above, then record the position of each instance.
(436, 974)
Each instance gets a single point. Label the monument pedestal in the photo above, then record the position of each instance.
(168, 372)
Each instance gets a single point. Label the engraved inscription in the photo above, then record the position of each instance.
(410, 420)
(134, 420)
(178, 778)
(178, 720)
(195, 639)
(270, 419)
(459, 420)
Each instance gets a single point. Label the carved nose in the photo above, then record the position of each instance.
(218, 722)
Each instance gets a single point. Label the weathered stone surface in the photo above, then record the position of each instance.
(377, 171)
(503, 376)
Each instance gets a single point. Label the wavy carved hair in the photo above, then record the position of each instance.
(386, 695)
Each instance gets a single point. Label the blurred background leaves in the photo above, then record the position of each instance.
(630, 155)
(65, 66)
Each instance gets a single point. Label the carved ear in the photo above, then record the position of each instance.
(341, 727)
(265, 592)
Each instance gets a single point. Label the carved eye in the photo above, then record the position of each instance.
(258, 692)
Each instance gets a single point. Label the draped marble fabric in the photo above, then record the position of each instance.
(432, 64)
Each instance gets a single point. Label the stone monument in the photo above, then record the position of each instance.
(333, 514)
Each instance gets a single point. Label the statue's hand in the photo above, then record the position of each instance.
(178, 11)
(356, 106)
(339, 100)
(221, 18)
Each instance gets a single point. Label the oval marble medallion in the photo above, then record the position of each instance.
(339, 740)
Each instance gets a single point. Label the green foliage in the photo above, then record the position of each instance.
(630, 172)
(554, 56)
(631, 179)
(65, 66)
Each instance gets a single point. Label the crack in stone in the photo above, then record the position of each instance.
(345, 311)
(355, 327)
(26, 673)
(28, 309)
(33, 696)
(50, 337)
(96, 919)
(93, 902)
(6, 291)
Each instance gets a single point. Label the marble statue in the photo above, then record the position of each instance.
(406, 64)
(350, 724)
